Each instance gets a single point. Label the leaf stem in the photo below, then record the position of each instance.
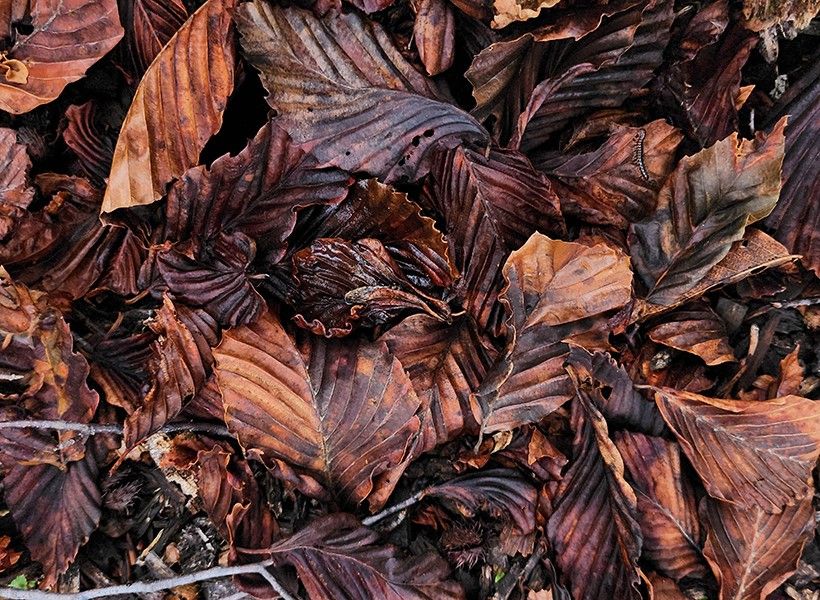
(414, 499)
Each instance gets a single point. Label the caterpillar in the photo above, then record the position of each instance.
(637, 154)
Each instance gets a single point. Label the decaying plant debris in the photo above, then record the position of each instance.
(409, 299)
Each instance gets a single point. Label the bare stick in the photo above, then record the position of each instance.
(95, 428)
(147, 587)
(414, 499)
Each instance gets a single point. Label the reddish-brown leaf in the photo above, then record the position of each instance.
(342, 413)
(68, 37)
(491, 206)
(607, 186)
(149, 25)
(446, 364)
(501, 492)
(434, 34)
(611, 63)
(215, 279)
(752, 551)
(177, 108)
(795, 220)
(749, 453)
(554, 290)
(622, 404)
(696, 330)
(257, 192)
(375, 210)
(339, 284)
(667, 510)
(336, 557)
(702, 209)
(14, 168)
(593, 527)
(179, 367)
(55, 510)
(314, 66)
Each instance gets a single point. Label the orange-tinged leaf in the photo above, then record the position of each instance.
(703, 208)
(553, 291)
(177, 108)
(445, 362)
(666, 504)
(751, 551)
(342, 413)
(68, 37)
(696, 330)
(749, 453)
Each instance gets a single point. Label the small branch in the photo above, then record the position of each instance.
(88, 429)
(414, 499)
(147, 587)
(83, 428)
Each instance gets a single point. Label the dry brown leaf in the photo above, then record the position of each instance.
(68, 37)
(177, 108)
(751, 454)
(751, 551)
(342, 413)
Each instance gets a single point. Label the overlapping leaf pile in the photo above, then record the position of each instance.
(414, 299)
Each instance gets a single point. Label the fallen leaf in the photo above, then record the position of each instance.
(772, 445)
(284, 401)
(178, 106)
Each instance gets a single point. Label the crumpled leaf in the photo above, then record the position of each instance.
(383, 96)
(796, 221)
(620, 402)
(68, 251)
(511, 11)
(38, 354)
(702, 209)
(216, 280)
(93, 147)
(257, 192)
(697, 330)
(55, 510)
(343, 414)
(375, 210)
(505, 73)
(177, 108)
(67, 37)
(606, 186)
(553, 290)
(502, 492)
(339, 284)
(772, 446)
(14, 168)
(751, 552)
(667, 510)
(446, 363)
(703, 89)
(593, 527)
(609, 64)
(180, 363)
(491, 206)
(336, 557)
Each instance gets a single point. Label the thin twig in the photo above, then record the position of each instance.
(84, 428)
(96, 428)
(414, 499)
(147, 587)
